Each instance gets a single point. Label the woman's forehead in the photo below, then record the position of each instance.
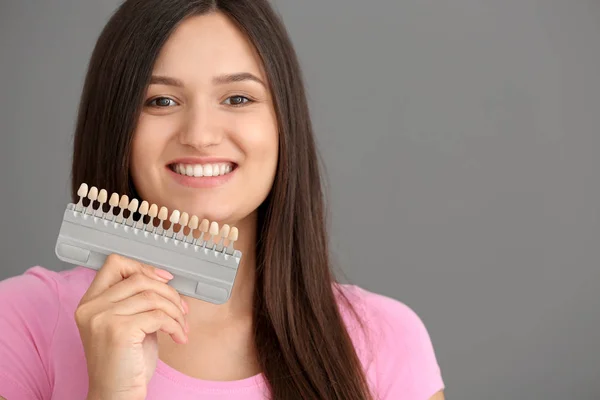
(205, 46)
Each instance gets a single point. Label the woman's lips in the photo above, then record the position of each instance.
(200, 181)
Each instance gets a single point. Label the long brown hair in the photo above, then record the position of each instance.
(304, 348)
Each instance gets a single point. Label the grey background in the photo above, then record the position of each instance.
(460, 140)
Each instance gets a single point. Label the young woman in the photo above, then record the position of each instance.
(177, 89)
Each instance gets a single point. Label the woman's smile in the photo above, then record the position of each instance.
(193, 175)
(201, 172)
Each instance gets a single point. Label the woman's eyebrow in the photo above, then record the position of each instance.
(218, 80)
(237, 77)
(165, 80)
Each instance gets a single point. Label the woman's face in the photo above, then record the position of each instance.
(206, 141)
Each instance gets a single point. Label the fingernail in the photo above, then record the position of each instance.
(163, 274)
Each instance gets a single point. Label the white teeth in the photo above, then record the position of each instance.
(198, 170)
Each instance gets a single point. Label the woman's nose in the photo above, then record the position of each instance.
(201, 129)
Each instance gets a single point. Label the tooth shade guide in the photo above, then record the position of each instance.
(185, 231)
(113, 203)
(93, 196)
(195, 236)
(180, 225)
(224, 231)
(93, 193)
(163, 215)
(233, 236)
(81, 193)
(127, 215)
(166, 224)
(123, 203)
(175, 215)
(204, 225)
(203, 273)
(214, 229)
(102, 196)
(175, 229)
(203, 228)
(222, 236)
(173, 222)
(144, 221)
(102, 199)
(133, 205)
(202, 238)
(153, 210)
(152, 213)
(114, 200)
(156, 224)
(191, 227)
(161, 226)
(213, 232)
(144, 208)
(143, 211)
(83, 190)
(132, 208)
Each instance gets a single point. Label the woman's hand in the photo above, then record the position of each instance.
(118, 319)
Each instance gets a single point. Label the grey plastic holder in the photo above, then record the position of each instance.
(204, 273)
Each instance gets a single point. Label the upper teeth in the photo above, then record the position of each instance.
(203, 170)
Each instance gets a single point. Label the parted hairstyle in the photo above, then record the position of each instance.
(304, 349)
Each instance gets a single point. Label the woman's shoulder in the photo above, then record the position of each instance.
(391, 322)
(381, 310)
(38, 335)
(40, 281)
(40, 292)
(397, 350)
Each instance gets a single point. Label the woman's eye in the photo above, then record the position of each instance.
(237, 100)
(162, 102)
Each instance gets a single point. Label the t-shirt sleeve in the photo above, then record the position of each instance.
(29, 309)
(407, 366)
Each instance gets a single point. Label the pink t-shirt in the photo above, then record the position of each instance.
(41, 355)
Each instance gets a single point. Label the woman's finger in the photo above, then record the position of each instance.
(149, 300)
(138, 283)
(152, 321)
(117, 268)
